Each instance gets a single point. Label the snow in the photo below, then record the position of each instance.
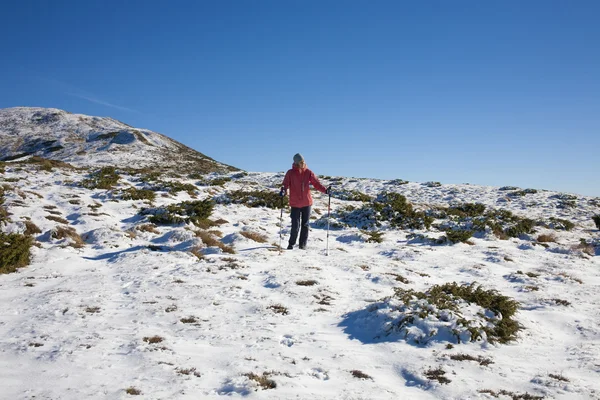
(77, 322)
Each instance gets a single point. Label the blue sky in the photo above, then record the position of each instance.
(484, 92)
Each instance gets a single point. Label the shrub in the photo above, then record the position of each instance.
(138, 194)
(432, 184)
(373, 236)
(105, 178)
(456, 236)
(524, 226)
(394, 208)
(174, 187)
(14, 251)
(450, 296)
(560, 224)
(467, 210)
(46, 164)
(352, 195)
(215, 182)
(255, 198)
(596, 219)
(187, 211)
(546, 239)
(397, 182)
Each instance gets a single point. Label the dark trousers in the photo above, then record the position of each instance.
(300, 215)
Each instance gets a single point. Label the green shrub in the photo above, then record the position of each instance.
(14, 251)
(456, 236)
(46, 164)
(138, 194)
(596, 219)
(105, 178)
(397, 182)
(467, 210)
(187, 211)
(394, 207)
(215, 182)
(373, 236)
(174, 187)
(255, 198)
(523, 227)
(559, 224)
(352, 195)
(432, 184)
(504, 188)
(502, 329)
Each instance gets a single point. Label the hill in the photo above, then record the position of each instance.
(84, 140)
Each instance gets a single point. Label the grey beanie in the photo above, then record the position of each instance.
(297, 158)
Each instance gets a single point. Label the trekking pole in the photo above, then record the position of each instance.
(328, 215)
(280, 225)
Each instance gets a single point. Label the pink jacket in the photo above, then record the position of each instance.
(298, 181)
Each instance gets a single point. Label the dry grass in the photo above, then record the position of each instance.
(360, 375)
(171, 308)
(559, 377)
(211, 241)
(309, 282)
(546, 238)
(279, 309)
(263, 380)
(437, 374)
(188, 371)
(68, 232)
(197, 252)
(92, 310)
(31, 228)
(147, 228)
(153, 339)
(255, 236)
(512, 395)
(571, 277)
(585, 248)
(133, 391)
(466, 357)
(57, 219)
(39, 196)
(189, 320)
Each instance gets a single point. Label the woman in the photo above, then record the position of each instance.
(298, 181)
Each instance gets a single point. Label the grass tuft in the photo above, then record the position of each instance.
(255, 236)
(437, 374)
(263, 380)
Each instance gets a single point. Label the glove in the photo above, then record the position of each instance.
(328, 190)
(282, 192)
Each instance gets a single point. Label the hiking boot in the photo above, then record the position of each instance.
(302, 247)
(290, 247)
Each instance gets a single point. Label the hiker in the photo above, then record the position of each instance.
(298, 180)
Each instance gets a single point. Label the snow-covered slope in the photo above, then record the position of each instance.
(83, 140)
(122, 308)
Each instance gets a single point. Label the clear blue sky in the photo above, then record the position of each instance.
(485, 92)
